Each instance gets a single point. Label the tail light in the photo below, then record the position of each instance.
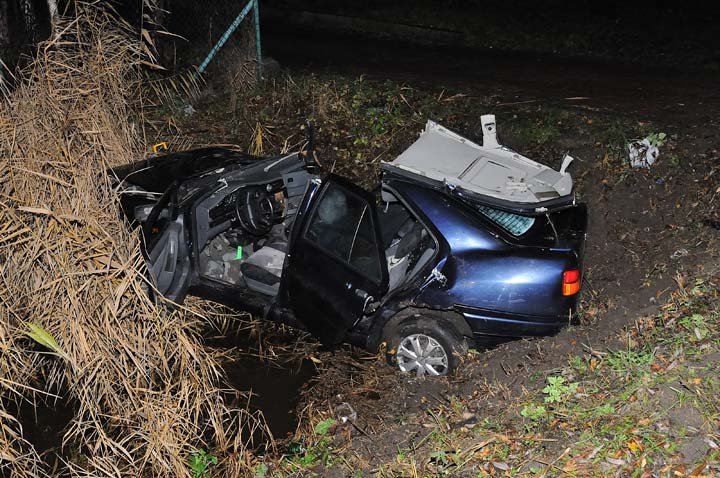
(571, 282)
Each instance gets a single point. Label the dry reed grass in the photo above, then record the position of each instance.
(146, 391)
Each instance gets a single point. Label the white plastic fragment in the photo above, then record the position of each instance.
(489, 131)
(679, 253)
(188, 110)
(567, 159)
(345, 413)
(643, 153)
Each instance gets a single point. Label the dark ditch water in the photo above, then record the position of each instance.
(276, 385)
(276, 389)
(44, 425)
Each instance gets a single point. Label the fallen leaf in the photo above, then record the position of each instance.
(634, 446)
(698, 469)
(501, 466)
(570, 466)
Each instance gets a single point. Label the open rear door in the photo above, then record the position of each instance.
(166, 248)
(335, 266)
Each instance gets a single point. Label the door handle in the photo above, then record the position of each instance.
(361, 293)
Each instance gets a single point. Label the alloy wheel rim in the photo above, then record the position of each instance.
(423, 355)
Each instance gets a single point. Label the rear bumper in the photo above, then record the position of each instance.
(483, 323)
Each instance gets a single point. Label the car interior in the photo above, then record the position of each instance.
(407, 243)
(242, 236)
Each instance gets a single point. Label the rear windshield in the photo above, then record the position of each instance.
(513, 223)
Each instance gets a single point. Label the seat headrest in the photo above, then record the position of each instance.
(411, 240)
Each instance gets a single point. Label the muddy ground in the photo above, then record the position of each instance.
(650, 230)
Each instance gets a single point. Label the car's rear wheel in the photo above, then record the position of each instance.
(425, 347)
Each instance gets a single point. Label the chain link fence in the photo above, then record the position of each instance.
(193, 28)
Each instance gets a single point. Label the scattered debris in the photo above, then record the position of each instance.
(345, 413)
(500, 465)
(221, 260)
(188, 110)
(643, 153)
(679, 253)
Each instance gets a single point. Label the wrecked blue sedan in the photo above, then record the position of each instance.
(458, 242)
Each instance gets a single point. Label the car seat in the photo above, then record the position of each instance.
(398, 254)
(263, 269)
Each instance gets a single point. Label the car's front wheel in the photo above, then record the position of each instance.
(424, 346)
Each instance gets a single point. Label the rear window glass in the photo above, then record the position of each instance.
(513, 223)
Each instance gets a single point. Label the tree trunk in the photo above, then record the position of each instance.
(53, 11)
(4, 24)
(28, 13)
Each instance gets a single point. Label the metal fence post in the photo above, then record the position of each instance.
(233, 26)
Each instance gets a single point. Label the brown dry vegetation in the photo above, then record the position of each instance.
(145, 391)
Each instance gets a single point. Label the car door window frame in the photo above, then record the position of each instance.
(418, 214)
(382, 265)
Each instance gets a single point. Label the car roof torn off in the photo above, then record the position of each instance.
(490, 170)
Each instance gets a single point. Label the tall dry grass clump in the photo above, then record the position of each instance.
(74, 321)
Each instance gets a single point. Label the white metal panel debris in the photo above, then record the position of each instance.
(491, 169)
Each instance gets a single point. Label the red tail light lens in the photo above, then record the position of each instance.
(571, 282)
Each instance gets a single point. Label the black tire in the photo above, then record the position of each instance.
(441, 331)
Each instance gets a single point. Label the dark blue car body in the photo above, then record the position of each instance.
(475, 279)
(501, 286)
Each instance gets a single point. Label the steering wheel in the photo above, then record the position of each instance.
(255, 211)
